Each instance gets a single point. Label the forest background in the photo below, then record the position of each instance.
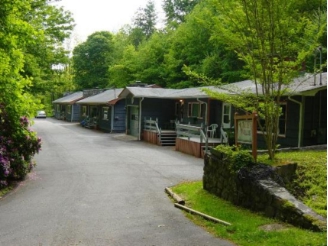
(189, 41)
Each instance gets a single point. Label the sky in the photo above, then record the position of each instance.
(104, 15)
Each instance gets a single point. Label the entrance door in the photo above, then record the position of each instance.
(226, 115)
(134, 121)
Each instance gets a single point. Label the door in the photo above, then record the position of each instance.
(226, 115)
(134, 121)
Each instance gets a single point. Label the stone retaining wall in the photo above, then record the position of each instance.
(259, 188)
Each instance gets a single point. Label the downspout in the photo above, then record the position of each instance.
(127, 113)
(205, 110)
(300, 123)
(112, 118)
(140, 114)
(72, 112)
(206, 140)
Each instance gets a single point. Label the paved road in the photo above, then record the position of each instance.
(92, 188)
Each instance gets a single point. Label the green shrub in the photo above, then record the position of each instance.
(18, 144)
(238, 158)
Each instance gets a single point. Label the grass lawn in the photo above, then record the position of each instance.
(310, 183)
(247, 227)
(6, 190)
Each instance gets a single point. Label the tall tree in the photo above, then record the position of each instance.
(145, 19)
(124, 71)
(24, 35)
(46, 50)
(29, 39)
(92, 59)
(273, 40)
(150, 58)
(192, 46)
(176, 10)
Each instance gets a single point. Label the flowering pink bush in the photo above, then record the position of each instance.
(18, 144)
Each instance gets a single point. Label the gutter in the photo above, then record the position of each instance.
(206, 123)
(300, 123)
(112, 118)
(140, 114)
(205, 110)
(72, 113)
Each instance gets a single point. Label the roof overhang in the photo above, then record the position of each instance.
(309, 93)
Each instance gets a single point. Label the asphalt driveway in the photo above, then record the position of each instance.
(93, 188)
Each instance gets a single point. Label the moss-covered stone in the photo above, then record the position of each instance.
(258, 188)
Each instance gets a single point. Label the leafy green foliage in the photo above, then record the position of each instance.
(193, 48)
(44, 46)
(30, 36)
(160, 57)
(237, 158)
(124, 71)
(260, 33)
(92, 59)
(145, 19)
(204, 43)
(176, 10)
(18, 144)
(150, 56)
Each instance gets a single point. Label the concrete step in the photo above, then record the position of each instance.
(168, 138)
(167, 143)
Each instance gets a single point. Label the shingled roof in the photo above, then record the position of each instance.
(102, 98)
(196, 92)
(307, 84)
(70, 99)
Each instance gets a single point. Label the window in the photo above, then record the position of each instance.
(194, 110)
(84, 110)
(177, 109)
(105, 113)
(69, 109)
(226, 115)
(282, 121)
(94, 112)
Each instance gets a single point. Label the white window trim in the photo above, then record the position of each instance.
(279, 135)
(226, 125)
(103, 112)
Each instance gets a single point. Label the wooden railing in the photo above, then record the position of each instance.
(190, 131)
(152, 125)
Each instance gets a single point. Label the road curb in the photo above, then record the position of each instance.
(205, 216)
(175, 197)
(179, 203)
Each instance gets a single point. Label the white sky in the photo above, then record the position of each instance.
(104, 15)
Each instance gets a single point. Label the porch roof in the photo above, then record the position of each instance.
(196, 92)
(70, 99)
(308, 84)
(102, 98)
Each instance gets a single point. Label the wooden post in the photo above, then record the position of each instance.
(254, 135)
(253, 118)
(236, 129)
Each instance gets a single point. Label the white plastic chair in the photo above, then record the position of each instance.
(212, 129)
(224, 136)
